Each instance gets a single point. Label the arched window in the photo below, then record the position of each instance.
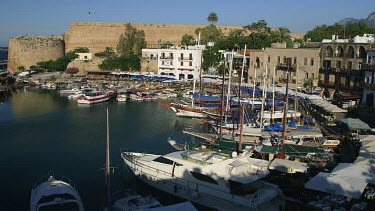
(329, 52)
(340, 51)
(350, 52)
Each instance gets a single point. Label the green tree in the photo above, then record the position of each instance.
(283, 34)
(188, 40)
(211, 57)
(235, 40)
(21, 68)
(260, 35)
(131, 42)
(212, 18)
(167, 44)
(209, 33)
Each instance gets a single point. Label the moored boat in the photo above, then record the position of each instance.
(53, 194)
(95, 97)
(208, 178)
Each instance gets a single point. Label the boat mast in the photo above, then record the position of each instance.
(295, 95)
(222, 101)
(239, 148)
(281, 154)
(254, 86)
(239, 84)
(107, 168)
(263, 99)
(229, 84)
(273, 94)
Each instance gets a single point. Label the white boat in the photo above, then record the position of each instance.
(53, 194)
(121, 97)
(130, 200)
(186, 113)
(95, 97)
(279, 114)
(75, 96)
(68, 92)
(136, 97)
(209, 178)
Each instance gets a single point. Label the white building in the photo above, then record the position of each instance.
(184, 63)
(369, 80)
(84, 57)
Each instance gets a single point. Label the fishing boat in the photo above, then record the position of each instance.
(68, 92)
(95, 97)
(209, 178)
(54, 194)
(75, 96)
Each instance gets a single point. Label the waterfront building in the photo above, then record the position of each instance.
(341, 75)
(183, 63)
(305, 60)
(238, 58)
(369, 80)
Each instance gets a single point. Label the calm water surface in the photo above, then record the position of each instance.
(42, 132)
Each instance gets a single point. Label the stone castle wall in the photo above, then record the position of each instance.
(29, 50)
(97, 36)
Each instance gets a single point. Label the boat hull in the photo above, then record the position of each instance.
(189, 190)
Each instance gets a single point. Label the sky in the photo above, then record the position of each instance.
(52, 17)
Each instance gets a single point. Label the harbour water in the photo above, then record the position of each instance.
(42, 132)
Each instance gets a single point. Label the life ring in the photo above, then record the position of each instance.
(229, 113)
(277, 107)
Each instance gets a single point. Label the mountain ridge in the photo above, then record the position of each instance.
(370, 20)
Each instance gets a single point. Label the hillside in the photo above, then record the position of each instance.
(370, 20)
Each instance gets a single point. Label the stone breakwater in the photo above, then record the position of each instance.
(28, 50)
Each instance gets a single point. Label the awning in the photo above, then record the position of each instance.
(364, 172)
(337, 184)
(287, 166)
(355, 124)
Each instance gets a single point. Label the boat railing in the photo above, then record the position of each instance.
(197, 186)
(61, 178)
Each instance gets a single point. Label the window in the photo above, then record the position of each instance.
(305, 61)
(295, 60)
(269, 59)
(278, 60)
(284, 60)
(190, 56)
(85, 58)
(313, 75)
(164, 160)
(338, 64)
(312, 62)
(307, 75)
(182, 64)
(203, 177)
(190, 64)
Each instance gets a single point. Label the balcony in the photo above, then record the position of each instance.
(149, 58)
(185, 59)
(341, 71)
(166, 57)
(341, 87)
(368, 67)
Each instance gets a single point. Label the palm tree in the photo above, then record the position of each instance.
(212, 17)
(284, 34)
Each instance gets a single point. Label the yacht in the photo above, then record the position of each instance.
(53, 194)
(209, 178)
(95, 97)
